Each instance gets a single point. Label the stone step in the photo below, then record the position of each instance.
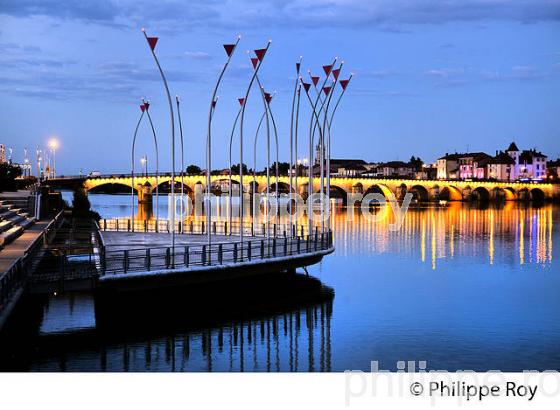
(10, 235)
(5, 225)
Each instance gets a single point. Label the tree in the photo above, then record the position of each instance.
(416, 162)
(283, 168)
(193, 169)
(8, 175)
(235, 169)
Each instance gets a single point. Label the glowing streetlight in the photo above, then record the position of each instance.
(53, 145)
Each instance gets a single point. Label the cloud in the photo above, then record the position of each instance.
(198, 55)
(389, 15)
(519, 72)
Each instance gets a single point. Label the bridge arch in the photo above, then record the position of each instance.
(379, 189)
(357, 188)
(537, 195)
(337, 192)
(502, 194)
(164, 187)
(419, 193)
(450, 193)
(283, 188)
(480, 194)
(110, 188)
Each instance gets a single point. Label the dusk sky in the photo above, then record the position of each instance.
(430, 76)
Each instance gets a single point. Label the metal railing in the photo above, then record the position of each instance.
(188, 256)
(17, 274)
(201, 228)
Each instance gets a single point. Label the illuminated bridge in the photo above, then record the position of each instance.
(422, 190)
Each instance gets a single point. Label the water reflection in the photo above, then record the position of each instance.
(185, 331)
(457, 230)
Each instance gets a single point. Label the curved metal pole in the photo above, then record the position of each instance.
(230, 193)
(182, 159)
(310, 186)
(277, 170)
(298, 65)
(296, 140)
(256, 70)
(255, 166)
(157, 165)
(172, 120)
(209, 146)
(266, 111)
(329, 144)
(132, 174)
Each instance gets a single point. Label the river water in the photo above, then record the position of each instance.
(461, 287)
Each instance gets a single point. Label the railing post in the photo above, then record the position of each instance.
(180, 227)
(322, 240)
(125, 261)
(145, 226)
(302, 233)
(148, 259)
(203, 256)
(235, 252)
(214, 227)
(167, 258)
(117, 224)
(220, 256)
(274, 246)
(167, 225)
(202, 227)
(263, 229)
(262, 248)
(186, 256)
(191, 227)
(252, 229)
(128, 225)
(274, 230)
(225, 228)
(298, 244)
(104, 224)
(103, 260)
(308, 242)
(249, 245)
(285, 245)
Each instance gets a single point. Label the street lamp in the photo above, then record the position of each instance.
(53, 145)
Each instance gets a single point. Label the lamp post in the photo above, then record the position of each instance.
(229, 49)
(152, 41)
(53, 145)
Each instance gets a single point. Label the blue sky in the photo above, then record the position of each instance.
(430, 76)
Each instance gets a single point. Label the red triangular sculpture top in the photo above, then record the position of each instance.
(241, 101)
(315, 80)
(326, 90)
(255, 61)
(306, 86)
(268, 97)
(260, 53)
(344, 83)
(229, 49)
(142, 107)
(327, 69)
(298, 66)
(335, 73)
(152, 41)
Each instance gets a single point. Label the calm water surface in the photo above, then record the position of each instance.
(458, 287)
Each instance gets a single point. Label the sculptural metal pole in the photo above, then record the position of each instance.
(152, 41)
(182, 159)
(298, 65)
(260, 55)
(230, 49)
(230, 193)
(142, 108)
(147, 104)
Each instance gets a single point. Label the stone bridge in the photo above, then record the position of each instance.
(423, 190)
